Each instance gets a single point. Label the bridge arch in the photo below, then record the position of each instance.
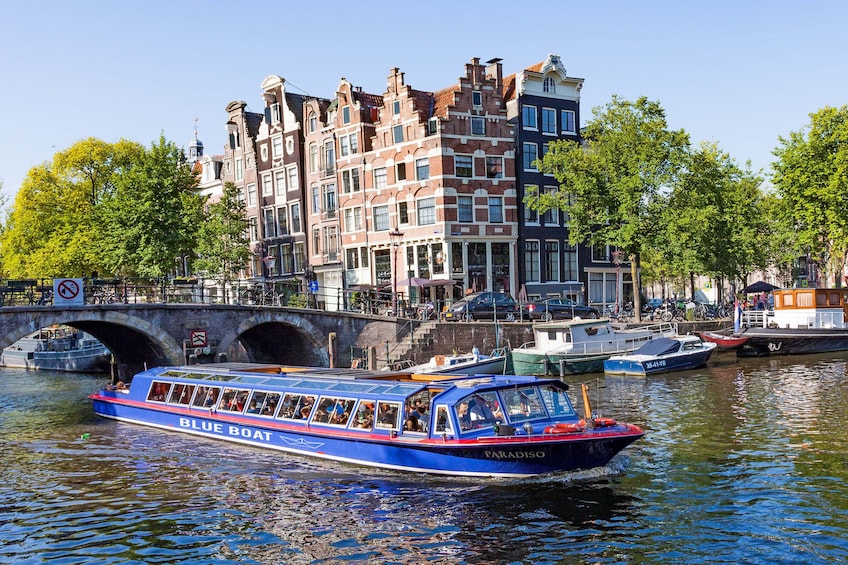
(278, 337)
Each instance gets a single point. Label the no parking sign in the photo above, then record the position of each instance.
(68, 292)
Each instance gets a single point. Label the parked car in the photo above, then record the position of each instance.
(560, 309)
(482, 306)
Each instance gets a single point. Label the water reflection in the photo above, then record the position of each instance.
(743, 461)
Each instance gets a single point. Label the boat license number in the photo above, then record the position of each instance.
(655, 364)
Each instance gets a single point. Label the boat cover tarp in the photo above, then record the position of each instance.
(659, 346)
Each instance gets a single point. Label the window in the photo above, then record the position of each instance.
(465, 208)
(239, 169)
(328, 156)
(344, 147)
(566, 118)
(350, 181)
(313, 122)
(477, 99)
(570, 262)
(380, 178)
(396, 107)
(267, 187)
(478, 125)
(549, 85)
(549, 121)
(352, 259)
(251, 194)
(400, 171)
(331, 242)
(531, 261)
(253, 228)
(600, 253)
(294, 184)
(268, 220)
(422, 169)
(353, 219)
(363, 256)
(329, 194)
(531, 216)
(463, 166)
(295, 217)
(496, 210)
(354, 143)
(299, 257)
(397, 133)
(316, 199)
(528, 117)
(403, 213)
(381, 218)
(316, 241)
(426, 211)
(282, 221)
(530, 154)
(552, 261)
(551, 217)
(286, 259)
(433, 126)
(346, 115)
(280, 181)
(313, 158)
(494, 167)
(277, 146)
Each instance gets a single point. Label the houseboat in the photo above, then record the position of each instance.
(804, 320)
(581, 346)
(662, 355)
(58, 349)
(482, 426)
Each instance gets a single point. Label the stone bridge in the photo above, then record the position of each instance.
(147, 335)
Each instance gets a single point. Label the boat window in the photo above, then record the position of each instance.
(296, 406)
(206, 396)
(364, 417)
(233, 400)
(805, 299)
(388, 414)
(417, 412)
(320, 385)
(523, 403)
(249, 379)
(263, 403)
(556, 400)
(478, 410)
(181, 394)
(443, 422)
(158, 391)
(333, 410)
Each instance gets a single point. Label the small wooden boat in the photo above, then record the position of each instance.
(724, 340)
(491, 425)
(662, 355)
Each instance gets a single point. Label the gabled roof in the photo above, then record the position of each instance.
(442, 99)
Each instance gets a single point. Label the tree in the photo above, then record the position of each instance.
(811, 175)
(53, 228)
(153, 213)
(223, 246)
(612, 187)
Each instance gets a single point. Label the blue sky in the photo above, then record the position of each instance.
(733, 72)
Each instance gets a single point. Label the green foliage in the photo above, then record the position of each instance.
(152, 214)
(223, 245)
(811, 175)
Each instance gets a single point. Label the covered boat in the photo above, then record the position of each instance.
(58, 349)
(581, 346)
(489, 425)
(662, 355)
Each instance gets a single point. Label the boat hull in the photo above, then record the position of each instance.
(95, 360)
(526, 362)
(643, 367)
(483, 456)
(764, 342)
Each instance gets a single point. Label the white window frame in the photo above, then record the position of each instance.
(565, 122)
(478, 124)
(549, 128)
(526, 112)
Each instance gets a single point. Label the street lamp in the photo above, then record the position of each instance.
(616, 260)
(395, 236)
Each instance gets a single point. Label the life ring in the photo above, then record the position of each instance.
(604, 422)
(563, 429)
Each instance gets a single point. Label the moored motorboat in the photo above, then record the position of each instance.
(493, 425)
(474, 363)
(581, 346)
(58, 349)
(662, 355)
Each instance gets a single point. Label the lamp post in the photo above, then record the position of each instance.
(616, 260)
(395, 236)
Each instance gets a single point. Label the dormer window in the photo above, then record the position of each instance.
(346, 115)
(549, 85)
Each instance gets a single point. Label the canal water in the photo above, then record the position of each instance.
(743, 462)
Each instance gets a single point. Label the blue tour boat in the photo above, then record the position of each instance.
(484, 425)
(662, 355)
